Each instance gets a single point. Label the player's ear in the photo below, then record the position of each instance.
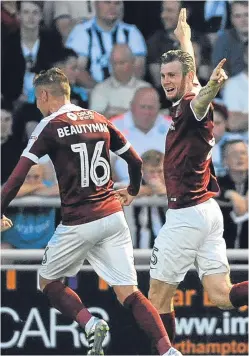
(44, 95)
(191, 76)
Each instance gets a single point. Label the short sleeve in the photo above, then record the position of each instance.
(40, 142)
(137, 42)
(78, 40)
(118, 143)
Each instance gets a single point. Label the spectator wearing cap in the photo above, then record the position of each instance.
(113, 96)
(233, 198)
(221, 135)
(235, 97)
(230, 43)
(93, 42)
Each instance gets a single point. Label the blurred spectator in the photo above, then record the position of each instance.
(11, 147)
(143, 127)
(164, 39)
(230, 43)
(67, 61)
(93, 41)
(149, 220)
(9, 18)
(32, 228)
(220, 116)
(233, 197)
(114, 95)
(216, 17)
(26, 52)
(235, 97)
(66, 14)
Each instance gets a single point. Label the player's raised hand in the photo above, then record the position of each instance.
(219, 75)
(5, 223)
(124, 197)
(183, 31)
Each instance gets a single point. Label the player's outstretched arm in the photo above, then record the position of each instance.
(201, 102)
(183, 34)
(14, 182)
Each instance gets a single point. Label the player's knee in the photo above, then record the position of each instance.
(161, 301)
(123, 292)
(221, 299)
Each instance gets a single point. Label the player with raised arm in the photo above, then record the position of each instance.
(93, 225)
(193, 232)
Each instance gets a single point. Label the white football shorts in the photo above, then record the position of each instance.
(190, 236)
(106, 244)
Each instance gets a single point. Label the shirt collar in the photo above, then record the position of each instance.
(116, 84)
(95, 24)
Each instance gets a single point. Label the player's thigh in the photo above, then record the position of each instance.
(112, 258)
(175, 248)
(161, 295)
(65, 252)
(212, 258)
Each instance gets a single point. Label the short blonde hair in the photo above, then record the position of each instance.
(55, 79)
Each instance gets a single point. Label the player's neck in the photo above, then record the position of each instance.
(29, 36)
(238, 176)
(56, 105)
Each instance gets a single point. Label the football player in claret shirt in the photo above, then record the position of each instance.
(93, 225)
(193, 232)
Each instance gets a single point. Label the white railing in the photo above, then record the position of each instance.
(142, 256)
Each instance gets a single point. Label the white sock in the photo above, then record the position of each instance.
(89, 324)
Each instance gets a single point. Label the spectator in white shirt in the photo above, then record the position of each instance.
(114, 95)
(143, 127)
(94, 40)
(235, 97)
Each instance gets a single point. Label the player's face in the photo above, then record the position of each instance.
(42, 101)
(109, 10)
(175, 85)
(30, 15)
(71, 70)
(6, 125)
(219, 125)
(169, 14)
(236, 157)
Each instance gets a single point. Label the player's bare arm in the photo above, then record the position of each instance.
(201, 102)
(183, 34)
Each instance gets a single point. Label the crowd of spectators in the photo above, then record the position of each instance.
(114, 68)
